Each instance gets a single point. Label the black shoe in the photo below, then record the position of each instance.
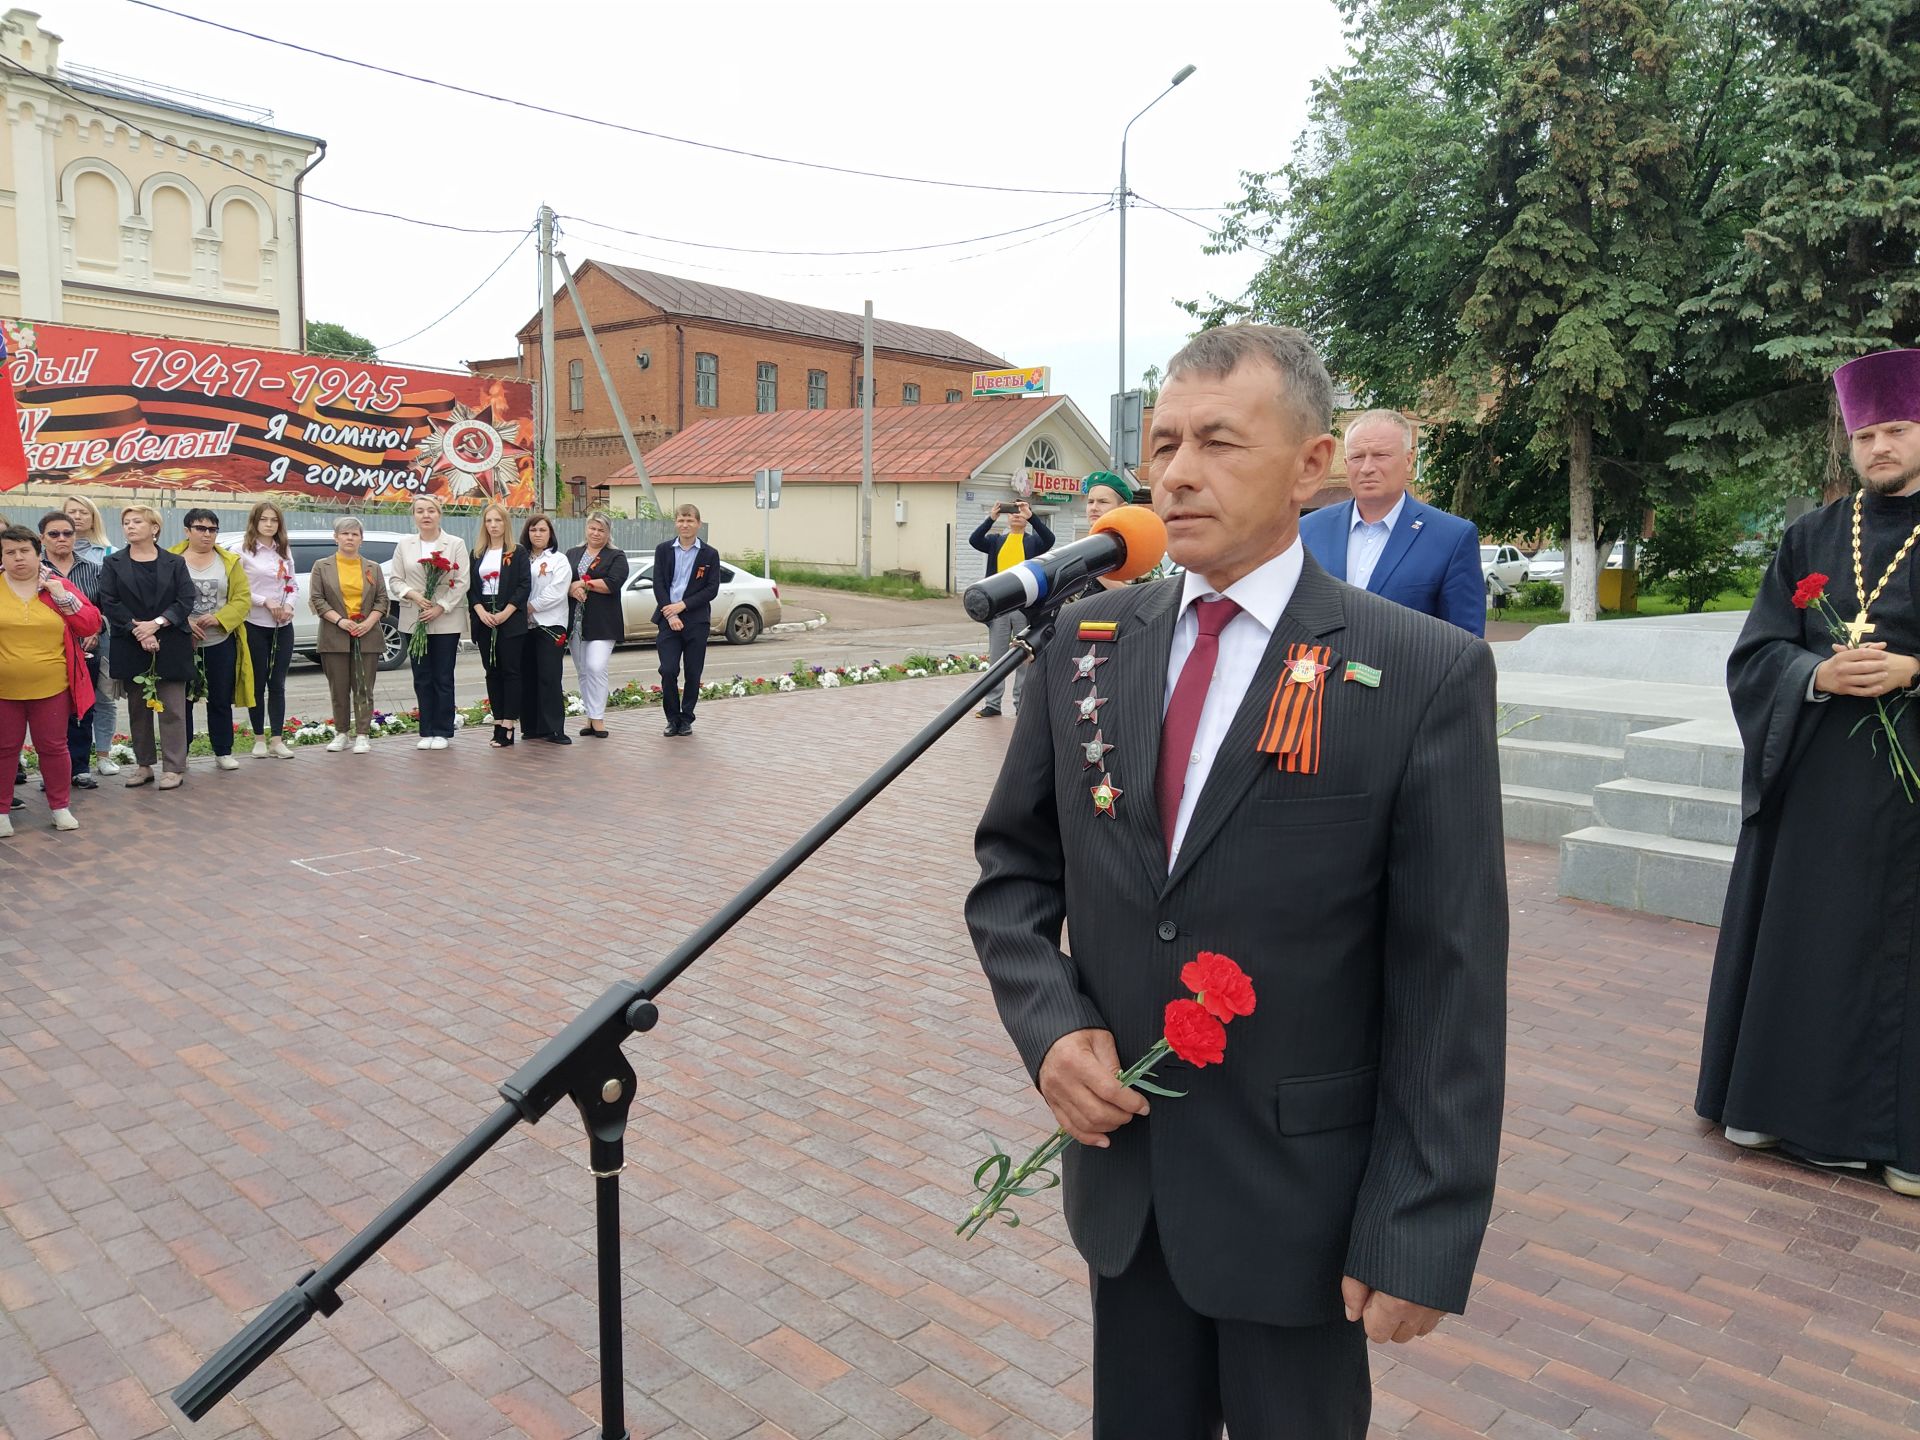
(85, 781)
(18, 804)
(987, 712)
(685, 728)
(558, 739)
(673, 728)
(596, 734)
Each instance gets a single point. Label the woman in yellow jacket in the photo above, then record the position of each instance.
(221, 599)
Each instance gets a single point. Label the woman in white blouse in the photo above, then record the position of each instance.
(268, 563)
(543, 707)
(438, 620)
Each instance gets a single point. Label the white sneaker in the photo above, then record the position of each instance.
(1901, 1182)
(279, 749)
(336, 744)
(6, 825)
(260, 749)
(1752, 1139)
(439, 742)
(226, 762)
(361, 745)
(107, 767)
(426, 743)
(63, 820)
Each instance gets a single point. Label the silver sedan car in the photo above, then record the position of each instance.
(745, 606)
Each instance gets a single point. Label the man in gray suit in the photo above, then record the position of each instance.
(1265, 762)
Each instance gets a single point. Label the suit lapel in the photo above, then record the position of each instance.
(1314, 612)
(1413, 516)
(1139, 697)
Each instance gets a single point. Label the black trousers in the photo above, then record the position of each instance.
(500, 657)
(222, 663)
(80, 727)
(1161, 1370)
(433, 685)
(686, 647)
(272, 650)
(543, 703)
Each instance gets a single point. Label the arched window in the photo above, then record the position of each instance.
(239, 246)
(1042, 456)
(96, 221)
(172, 235)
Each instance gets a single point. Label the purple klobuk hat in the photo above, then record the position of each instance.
(1879, 388)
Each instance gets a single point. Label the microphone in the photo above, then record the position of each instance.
(1125, 544)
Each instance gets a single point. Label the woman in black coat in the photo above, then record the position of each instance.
(499, 583)
(595, 617)
(146, 595)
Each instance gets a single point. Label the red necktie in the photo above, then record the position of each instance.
(1183, 711)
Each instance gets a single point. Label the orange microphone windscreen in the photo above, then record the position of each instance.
(1146, 537)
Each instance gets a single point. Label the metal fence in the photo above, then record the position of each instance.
(636, 537)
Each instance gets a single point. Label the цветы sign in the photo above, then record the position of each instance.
(101, 408)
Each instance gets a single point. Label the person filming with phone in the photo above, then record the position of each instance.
(1026, 536)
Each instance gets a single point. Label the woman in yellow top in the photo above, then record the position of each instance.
(222, 598)
(43, 674)
(349, 594)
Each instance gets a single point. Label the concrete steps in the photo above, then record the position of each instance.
(1657, 874)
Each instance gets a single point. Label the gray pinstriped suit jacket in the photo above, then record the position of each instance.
(1354, 1127)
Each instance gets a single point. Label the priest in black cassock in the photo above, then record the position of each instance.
(1813, 1020)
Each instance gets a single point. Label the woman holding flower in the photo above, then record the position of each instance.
(598, 622)
(146, 596)
(43, 671)
(349, 595)
(549, 576)
(222, 598)
(429, 573)
(499, 584)
(268, 563)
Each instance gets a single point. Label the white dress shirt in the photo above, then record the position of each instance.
(1261, 595)
(547, 602)
(1367, 541)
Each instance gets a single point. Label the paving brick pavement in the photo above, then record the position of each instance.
(215, 1064)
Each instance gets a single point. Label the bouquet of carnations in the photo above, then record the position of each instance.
(438, 567)
(1195, 1030)
(1811, 594)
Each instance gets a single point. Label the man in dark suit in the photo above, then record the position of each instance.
(1386, 541)
(1331, 1180)
(686, 581)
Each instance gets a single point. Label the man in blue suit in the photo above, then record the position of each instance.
(1385, 541)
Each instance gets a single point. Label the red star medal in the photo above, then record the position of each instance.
(1088, 707)
(1095, 750)
(1305, 671)
(1085, 665)
(1105, 798)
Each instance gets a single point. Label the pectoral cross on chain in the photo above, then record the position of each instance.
(1858, 629)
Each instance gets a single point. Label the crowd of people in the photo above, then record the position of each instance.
(198, 625)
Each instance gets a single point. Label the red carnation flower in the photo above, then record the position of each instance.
(1809, 590)
(1196, 1037)
(1222, 986)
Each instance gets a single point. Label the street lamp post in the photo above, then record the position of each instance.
(1121, 389)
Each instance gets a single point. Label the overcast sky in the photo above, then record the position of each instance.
(1031, 95)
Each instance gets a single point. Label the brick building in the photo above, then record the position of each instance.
(682, 351)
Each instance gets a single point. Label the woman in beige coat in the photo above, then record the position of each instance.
(433, 623)
(349, 594)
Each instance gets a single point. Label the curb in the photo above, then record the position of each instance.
(797, 627)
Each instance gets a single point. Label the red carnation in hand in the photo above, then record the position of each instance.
(1196, 1037)
(1809, 590)
(1222, 986)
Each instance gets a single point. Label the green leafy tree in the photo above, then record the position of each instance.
(1828, 266)
(1572, 312)
(1691, 557)
(326, 338)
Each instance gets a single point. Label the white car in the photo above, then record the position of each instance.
(1548, 565)
(746, 605)
(1503, 567)
(308, 546)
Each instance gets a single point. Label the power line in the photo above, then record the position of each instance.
(884, 250)
(468, 296)
(139, 129)
(1215, 234)
(598, 121)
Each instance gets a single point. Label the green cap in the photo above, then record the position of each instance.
(1111, 481)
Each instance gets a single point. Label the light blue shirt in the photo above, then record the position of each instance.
(683, 557)
(1367, 541)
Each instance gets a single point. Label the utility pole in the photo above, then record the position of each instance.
(1120, 389)
(549, 463)
(866, 447)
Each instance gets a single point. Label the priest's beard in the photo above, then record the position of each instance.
(1892, 484)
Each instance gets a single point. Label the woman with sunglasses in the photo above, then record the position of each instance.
(221, 600)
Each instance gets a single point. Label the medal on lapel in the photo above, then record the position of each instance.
(1087, 707)
(1085, 665)
(1096, 632)
(1095, 751)
(1105, 797)
(1292, 728)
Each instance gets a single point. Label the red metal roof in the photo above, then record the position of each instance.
(939, 443)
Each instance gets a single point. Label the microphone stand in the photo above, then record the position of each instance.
(585, 1064)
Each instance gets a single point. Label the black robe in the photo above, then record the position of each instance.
(1813, 1016)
